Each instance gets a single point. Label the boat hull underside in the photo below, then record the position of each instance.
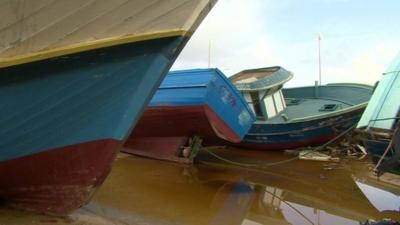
(63, 120)
(58, 180)
(173, 121)
(302, 134)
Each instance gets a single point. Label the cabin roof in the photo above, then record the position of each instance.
(261, 78)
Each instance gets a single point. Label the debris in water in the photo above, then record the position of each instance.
(294, 152)
(317, 156)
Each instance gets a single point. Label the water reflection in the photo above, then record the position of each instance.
(276, 207)
(383, 192)
(144, 191)
(167, 193)
(381, 199)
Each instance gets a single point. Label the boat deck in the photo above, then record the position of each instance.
(306, 107)
(306, 102)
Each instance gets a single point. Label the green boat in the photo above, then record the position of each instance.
(380, 122)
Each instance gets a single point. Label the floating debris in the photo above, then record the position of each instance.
(316, 156)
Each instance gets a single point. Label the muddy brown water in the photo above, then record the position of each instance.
(145, 191)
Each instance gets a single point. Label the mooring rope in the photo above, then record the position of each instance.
(386, 150)
(290, 205)
(319, 148)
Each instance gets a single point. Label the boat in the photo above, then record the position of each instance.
(380, 124)
(74, 78)
(193, 103)
(290, 118)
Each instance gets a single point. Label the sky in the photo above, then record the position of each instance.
(359, 38)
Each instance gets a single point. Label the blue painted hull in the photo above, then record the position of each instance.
(208, 87)
(79, 98)
(200, 102)
(300, 134)
(64, 119)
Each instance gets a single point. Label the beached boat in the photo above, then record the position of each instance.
(74, 79)
(380, 123)
(199, 102)
(297, 117)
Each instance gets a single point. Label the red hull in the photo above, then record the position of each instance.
(176, 121)
(57, 181)
(160, 130)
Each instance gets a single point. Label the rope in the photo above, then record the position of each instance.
(319, 148)
(290, 205)
(385, 153)
(229, 161)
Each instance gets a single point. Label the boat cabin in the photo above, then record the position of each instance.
(383, 110)
(262, 89)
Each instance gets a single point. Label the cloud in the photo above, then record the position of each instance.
(368, 65)
(359, 65)
(260, 33)
(237, 33)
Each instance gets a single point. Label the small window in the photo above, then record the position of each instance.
(270, 106)
(278, 102)
(256, 103)
(329, 107)
(293, 101)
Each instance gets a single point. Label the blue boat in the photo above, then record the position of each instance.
(198, 102)
(74, 78)
(297, 117)
(380, 122)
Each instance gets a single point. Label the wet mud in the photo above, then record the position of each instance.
(145, 191)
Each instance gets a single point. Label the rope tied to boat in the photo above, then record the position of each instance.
(388, 148)
(318, 148)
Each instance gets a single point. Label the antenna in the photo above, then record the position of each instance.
(319, 56)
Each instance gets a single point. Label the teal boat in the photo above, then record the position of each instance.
(380, 122)
(297, 117)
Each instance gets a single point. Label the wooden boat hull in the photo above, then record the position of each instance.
(57, 180)
(185, 121)
(297, 117)
(379, 124)
(72, 87)
(163, 132)
(64, 119)
(376, 146)
(204, 105)
(301, 134)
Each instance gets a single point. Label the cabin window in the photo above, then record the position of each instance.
(247, 97)
(256, 104)
(282, 99)
(278, 102)
(270, 107)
